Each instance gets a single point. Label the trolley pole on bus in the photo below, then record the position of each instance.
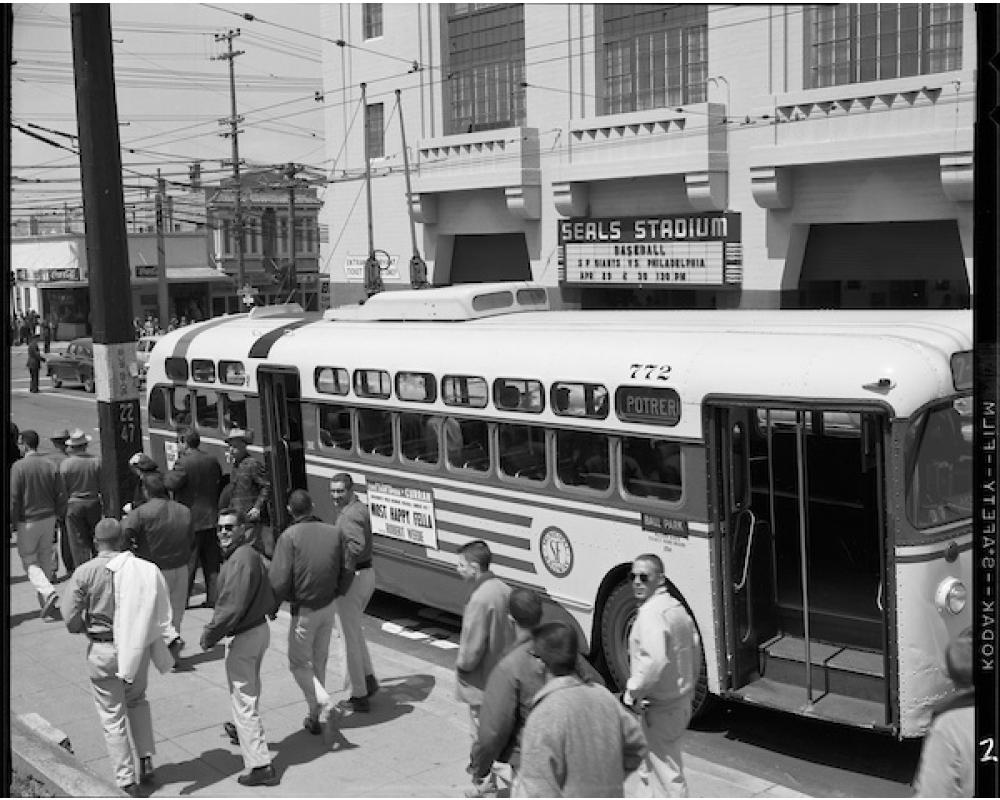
(418, 267)
(373, 272)
(115, 373)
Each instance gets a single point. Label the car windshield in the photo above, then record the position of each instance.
(939, 464)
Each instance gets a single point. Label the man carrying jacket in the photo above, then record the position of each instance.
(244, 602)
(311, 568)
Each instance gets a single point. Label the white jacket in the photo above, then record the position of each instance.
(142, 615)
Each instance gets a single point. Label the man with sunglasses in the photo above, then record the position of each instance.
(665, 657)
(245, 599)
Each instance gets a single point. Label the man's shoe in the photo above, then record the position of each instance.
(371, 684)
(132, 790)
(146, 769)
(311, 724)
(359, 705)
(259, 776)
(50, 608)
(231, 732)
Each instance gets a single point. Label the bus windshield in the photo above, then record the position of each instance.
(939, 464)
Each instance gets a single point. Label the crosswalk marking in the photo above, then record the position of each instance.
(412, 629)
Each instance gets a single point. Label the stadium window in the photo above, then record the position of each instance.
(861, 42)
(653, 56)
(485, 66)
(372, 19)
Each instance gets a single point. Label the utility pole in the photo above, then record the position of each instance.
(373, 272)
(293, 278)
(418, 267)
(162, 292)
(234, 132)
(115, 373)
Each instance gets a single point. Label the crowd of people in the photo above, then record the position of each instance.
(541, 719)
(150, 326)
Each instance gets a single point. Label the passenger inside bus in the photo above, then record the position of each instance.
(651, 468)
(335, 428)
(475, 452)
(522, 451)
(375, 431)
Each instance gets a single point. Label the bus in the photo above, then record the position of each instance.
(806, 477)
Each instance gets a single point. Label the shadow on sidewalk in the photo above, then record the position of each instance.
(24, 616)
(394, 700)
(188, 663)
(200, 772)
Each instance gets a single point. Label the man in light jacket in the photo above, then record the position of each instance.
(486, 628)
(578, 740)
(664, 656)
(135, 629)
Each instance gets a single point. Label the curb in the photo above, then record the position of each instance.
(35, 752)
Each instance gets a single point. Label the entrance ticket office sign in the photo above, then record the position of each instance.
(677, 251)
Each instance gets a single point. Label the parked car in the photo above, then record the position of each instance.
(143, 348)
(75, 364)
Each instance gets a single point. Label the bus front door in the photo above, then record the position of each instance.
(801, 505)
(283, 447)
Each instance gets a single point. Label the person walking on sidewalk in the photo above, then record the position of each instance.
(578, 740)
(486, 628)
(311, 568)
(354, 524)
(37, 499)
(61, 538)
(249, 488)
(161, 532)
(244, 602)
(127, 625)
(81, 476)
(35, 359)
(664, 657)
(510, 692)
(196, 481)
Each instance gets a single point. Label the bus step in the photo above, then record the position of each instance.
(836, 669)
(840, 708)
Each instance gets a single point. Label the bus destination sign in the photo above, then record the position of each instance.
(648, 405)
(693, 250)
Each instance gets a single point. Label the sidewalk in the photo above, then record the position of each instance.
(414, 743)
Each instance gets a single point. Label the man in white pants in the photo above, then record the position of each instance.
(664, 656)
(354, 523)
(37, 498)
(244, 601)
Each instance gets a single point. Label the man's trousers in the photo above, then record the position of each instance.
(244, 655)
(177, 586)
(82, 517)
(349, 608)
(308, 651)
(34, 545)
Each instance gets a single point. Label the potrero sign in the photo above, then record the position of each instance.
(692, 250)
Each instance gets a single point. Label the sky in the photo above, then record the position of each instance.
(171, 93)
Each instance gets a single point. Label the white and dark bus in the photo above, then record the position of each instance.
(805, 476)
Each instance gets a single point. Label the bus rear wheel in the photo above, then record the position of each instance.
(617, 617)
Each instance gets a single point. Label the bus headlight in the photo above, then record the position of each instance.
(951, 595)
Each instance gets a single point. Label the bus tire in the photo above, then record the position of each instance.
(617, 617)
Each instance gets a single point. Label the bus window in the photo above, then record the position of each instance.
(420, 387)
(589, 400)
(331, 380)
(335, 427)
(234, 411)
(419, 437)
(514, 394)
(372, 383)
(159, 401)
(203, 370)
(582, 459)
(180, 408)
(522, 451)
(206, 407)
(464, 390)
(939, 465)
(375, 431)
(651, 468)
(468, 443)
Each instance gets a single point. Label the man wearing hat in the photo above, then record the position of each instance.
(57, 456)
(250, 488)
(81, 476)
(947, 761)
(125, 634)
(141, 465)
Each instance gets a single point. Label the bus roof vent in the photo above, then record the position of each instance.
(277, 310)
(447, 303)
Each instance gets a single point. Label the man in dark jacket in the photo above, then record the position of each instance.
(243, 604)
(161, 532)
(196, 481)
(57, 456)
(311, 568)
(510, 692)
(35, 359)
(80, 472)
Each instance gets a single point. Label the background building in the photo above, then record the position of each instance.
(673, 155)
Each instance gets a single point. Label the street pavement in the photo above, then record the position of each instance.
(414, 743)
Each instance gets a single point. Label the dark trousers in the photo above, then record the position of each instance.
(82, 517)
(208, 556)
(64, 550)
(33, 372)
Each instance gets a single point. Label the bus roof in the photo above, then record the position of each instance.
(901, 359)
